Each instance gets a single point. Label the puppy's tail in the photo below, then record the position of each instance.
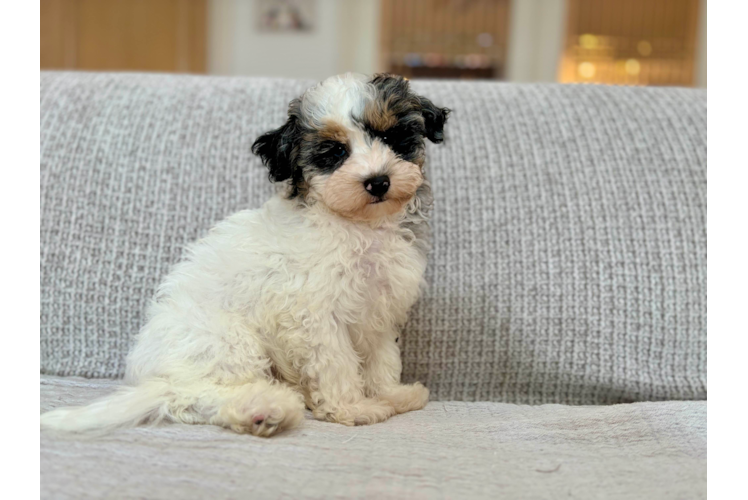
(127, 407)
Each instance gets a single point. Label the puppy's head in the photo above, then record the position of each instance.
(355, 144)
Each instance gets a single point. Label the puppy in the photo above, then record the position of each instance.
(300, 302)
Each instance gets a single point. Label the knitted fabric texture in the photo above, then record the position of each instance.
(448, 450)
(569, 227)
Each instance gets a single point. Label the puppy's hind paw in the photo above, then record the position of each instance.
(263, 413)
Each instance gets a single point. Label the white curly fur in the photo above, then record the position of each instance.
(275, 308)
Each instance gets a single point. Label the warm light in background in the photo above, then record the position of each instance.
(633, 67)
(634, 42)
(586, 70)
(644, 47)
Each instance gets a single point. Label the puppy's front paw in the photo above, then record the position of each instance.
(364, 412)
(406, 398)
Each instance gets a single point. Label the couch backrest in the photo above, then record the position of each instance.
(569, 259)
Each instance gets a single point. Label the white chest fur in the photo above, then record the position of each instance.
(280, 272)
(388, 274)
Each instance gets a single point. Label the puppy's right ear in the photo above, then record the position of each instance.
(278, 150)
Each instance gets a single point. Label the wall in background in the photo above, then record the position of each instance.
(351, 41)
(347, 38)
(359, 36)
(344, 39)
(701, 53)
(536, 35)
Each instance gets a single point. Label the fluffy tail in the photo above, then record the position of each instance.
(127, 407)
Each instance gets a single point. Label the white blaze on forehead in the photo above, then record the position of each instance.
(369, 159)
(357, 141)
(338, 97)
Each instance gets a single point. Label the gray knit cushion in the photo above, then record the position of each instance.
(569, 260)
(449, 450)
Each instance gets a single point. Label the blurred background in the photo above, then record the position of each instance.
(629, 42)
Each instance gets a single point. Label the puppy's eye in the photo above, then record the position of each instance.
(401, 144)
(339, 151)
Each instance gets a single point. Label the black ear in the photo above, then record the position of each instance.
(278, 150)
(434, 119)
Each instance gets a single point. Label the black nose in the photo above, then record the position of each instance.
(377, 186)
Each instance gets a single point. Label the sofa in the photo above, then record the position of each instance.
(562, 332)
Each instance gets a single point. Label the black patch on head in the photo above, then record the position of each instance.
(405, 139)
(295, 148)
(415, 115)
(394, 89)
(278, 150)
(325, 155)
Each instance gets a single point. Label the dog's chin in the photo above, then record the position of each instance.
(375, 209)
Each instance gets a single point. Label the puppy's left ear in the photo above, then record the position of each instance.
(434, 119)
(277, 149)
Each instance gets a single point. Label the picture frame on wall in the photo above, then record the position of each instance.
(286, 15)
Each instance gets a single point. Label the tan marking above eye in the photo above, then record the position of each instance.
(332, 130)
(378, 116)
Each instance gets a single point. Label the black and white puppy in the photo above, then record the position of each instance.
(299, 302)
